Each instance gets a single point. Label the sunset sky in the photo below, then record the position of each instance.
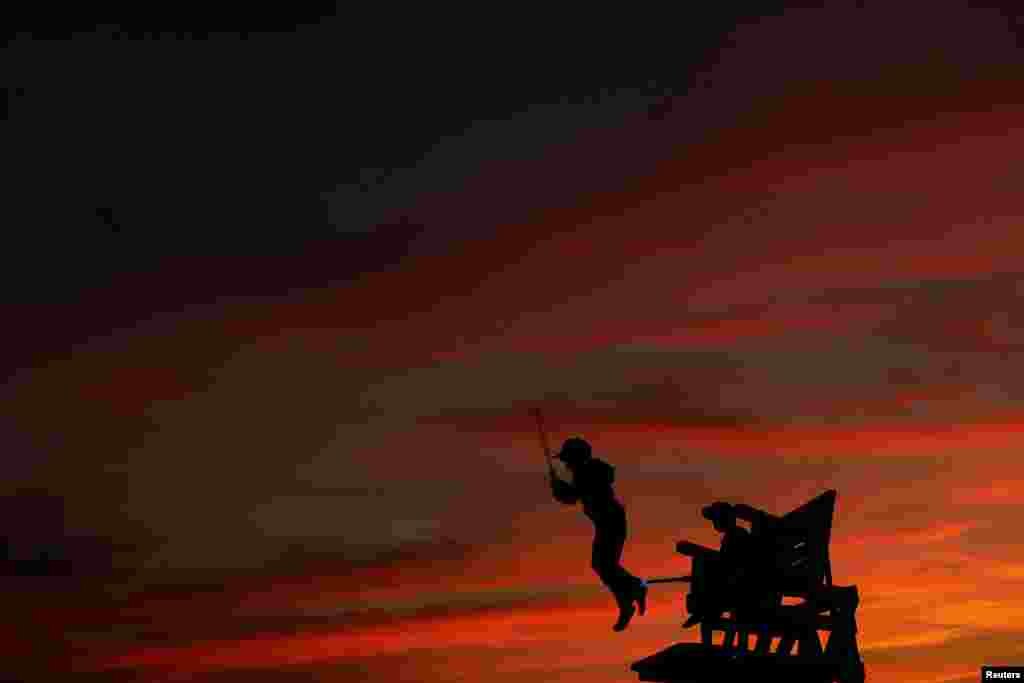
(276, 310)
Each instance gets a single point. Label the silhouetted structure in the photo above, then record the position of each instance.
(592, 481)
(740, 590)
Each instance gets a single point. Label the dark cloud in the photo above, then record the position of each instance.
(986, 317)
(601, 388)
(961, 291)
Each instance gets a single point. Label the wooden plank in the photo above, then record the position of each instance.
(783, 618)
(696, 663)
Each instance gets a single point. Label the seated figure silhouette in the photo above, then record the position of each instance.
(592, 485)
(734, 578)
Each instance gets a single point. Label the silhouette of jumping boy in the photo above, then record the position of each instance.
(592, 485)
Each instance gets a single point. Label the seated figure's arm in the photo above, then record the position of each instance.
(694, 549)
(759, 519)
(731, 555)
(563, 491)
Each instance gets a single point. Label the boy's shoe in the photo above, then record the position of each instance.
(625, 615)
(641, 598)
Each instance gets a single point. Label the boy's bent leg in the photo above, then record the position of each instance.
(607, 553)
(604, 561)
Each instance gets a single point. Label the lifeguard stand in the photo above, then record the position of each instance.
(790, 561)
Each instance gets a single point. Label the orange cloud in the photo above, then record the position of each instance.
(936, 636)
(934, 534)
(487, 628)
(1000, 493)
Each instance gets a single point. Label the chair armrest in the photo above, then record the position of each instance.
(845, 598)
(759, 519)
